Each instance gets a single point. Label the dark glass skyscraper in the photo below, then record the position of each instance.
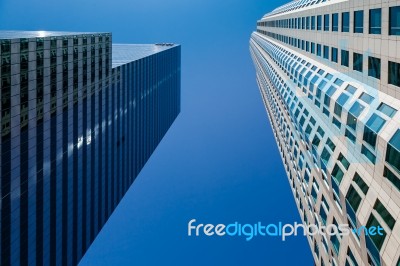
(79, 119)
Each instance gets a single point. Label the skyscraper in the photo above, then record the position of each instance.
(79, 119)
(329, 76)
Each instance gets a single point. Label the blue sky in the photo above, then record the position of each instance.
(218, 163)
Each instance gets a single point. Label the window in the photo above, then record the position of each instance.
(319, 49)
(326, 22)
(307, 23)
(360, 183)
(334, 55)
(358, 21)
(337, 174)
(354, 199)
(325, 156)
(335, 22)
(385, 215)
(358, 62)
(344, 161)
(391, 177)
(328, 95)
(375, 21)
(374, 67)
(350, 136)
(394, 20)
(341, 101)
(372, 128)
(345, 58)
(312, 23)
(365, 97)
(387, 110)
(326, 52)
(393, 151)
(313, 48)
(367, 153)
(374, 242)
(336, 123)
(351, 89)
(345, 22)
(321, 132)
(354, 112)
(394, 74)
(319, 22)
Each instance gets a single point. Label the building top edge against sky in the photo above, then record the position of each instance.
(125, 53)
(13, 34)
(121, 53)
(300, 5)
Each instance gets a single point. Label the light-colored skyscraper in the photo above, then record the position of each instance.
(79, 119)
(329, 75)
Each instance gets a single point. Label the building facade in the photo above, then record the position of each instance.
(329, 76)
(79, 119)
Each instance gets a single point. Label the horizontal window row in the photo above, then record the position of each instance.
(332, 54)
(330, 22)
(295, 5)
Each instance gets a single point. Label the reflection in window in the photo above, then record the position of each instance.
(319, 22)
(334, 55)
(326, 52)
(375, 21)
(345, 58)
(312, 23)
(393, 151)
(394, 74)
(394, 20)
(326, 22)
(365, 97)
(372, 128)
(387, 110)
(357, 62)
(354, 112)
(374, 67)
(340, 103)
(335, 22)
(345, 22)
(358, 21)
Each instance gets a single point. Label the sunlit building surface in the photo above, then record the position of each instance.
(79, 119)
(329, 76)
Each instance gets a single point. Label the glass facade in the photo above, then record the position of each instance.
(64, 160)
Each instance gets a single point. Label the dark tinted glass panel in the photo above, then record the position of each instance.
(345, 22)
(358, 21)
(375, 21)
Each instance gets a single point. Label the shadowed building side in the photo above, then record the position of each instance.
(79, 119)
